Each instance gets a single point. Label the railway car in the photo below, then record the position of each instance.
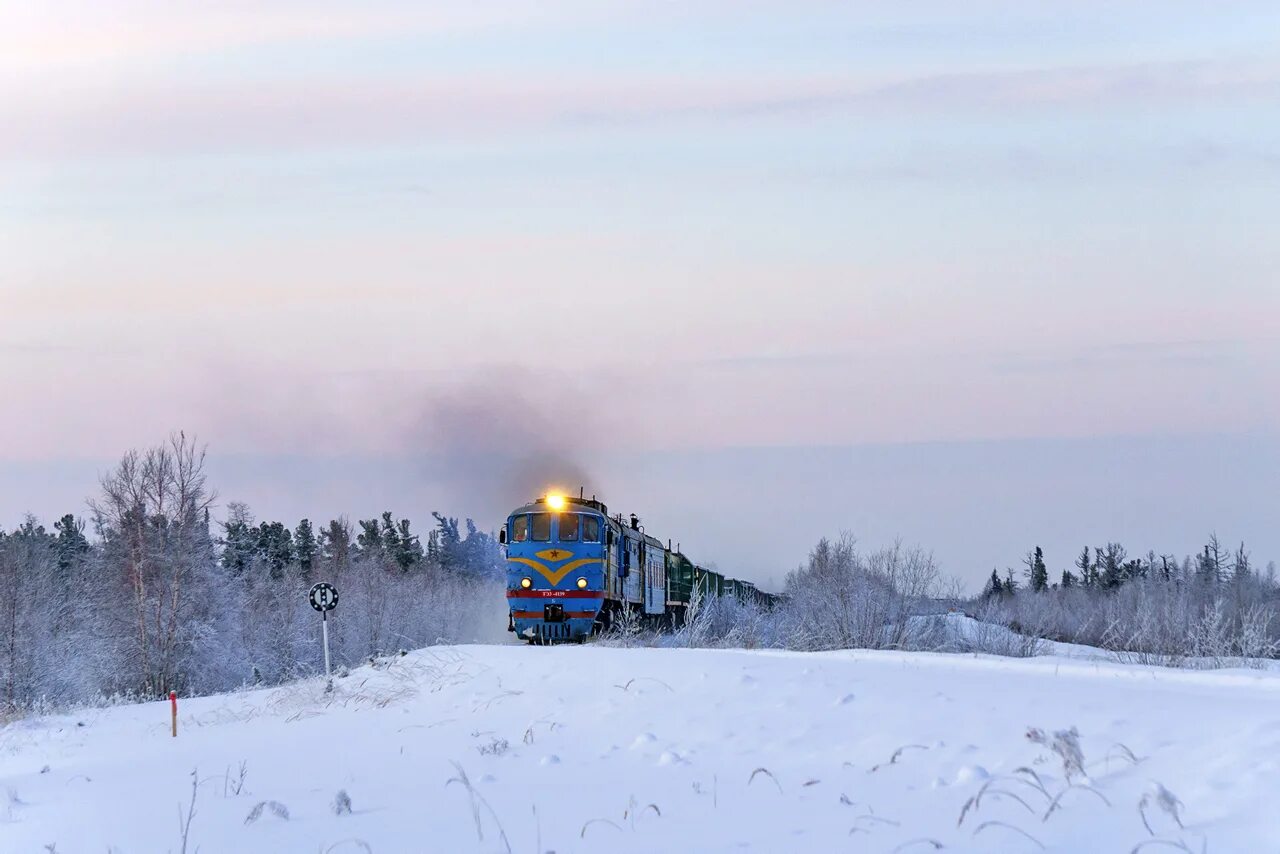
(574, 570)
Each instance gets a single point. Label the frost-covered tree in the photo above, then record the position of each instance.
(239, 538)
(275, 547)
(1010, 584)
(72, 544)
(1110, 565)
(390, 534)
(1213, 563)
(482, 557)
(335, 543)
(1037, 572)
(1241, 570)
(1087, 568)
(27, 560)
(305, 547)
(477, 554)
(994, 586)
(448, 542)
(401, 544)
(369, 542)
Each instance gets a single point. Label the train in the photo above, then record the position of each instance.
(574, 571)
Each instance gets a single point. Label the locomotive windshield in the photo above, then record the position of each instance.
(570, 528)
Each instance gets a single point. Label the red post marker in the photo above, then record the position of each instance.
(173, 707)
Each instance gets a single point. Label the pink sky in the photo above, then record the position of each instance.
(311, 229)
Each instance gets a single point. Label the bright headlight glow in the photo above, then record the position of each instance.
(555, 501)
(582, 583)
(526, 583)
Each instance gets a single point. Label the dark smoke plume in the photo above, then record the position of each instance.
(494, 443)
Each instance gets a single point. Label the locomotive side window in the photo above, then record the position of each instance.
(519, 529)
(568, 526)
(541, 527)
(590, 529)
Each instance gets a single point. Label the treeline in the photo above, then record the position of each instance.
(1210, 609)
(271, 547)
(1111, 567)
(148, 594)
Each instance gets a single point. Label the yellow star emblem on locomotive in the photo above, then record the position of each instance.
(555, 556)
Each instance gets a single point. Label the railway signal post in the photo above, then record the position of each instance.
(324, 598)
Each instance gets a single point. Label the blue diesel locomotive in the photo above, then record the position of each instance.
(573, 570)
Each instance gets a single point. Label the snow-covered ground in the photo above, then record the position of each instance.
(591, 748)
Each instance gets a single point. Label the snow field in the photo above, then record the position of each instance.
(578, 749)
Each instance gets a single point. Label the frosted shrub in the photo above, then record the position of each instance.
(1255, 639)
(999, 632)
(1210, 636)
(1148, 623)
(726, 622)
(842, 599)
(628, 629)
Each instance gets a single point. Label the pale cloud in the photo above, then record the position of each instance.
(300, 254)
(87, 33)
(47, 39)
(172, 117)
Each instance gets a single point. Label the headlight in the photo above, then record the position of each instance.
(526, 583)
(582, 584)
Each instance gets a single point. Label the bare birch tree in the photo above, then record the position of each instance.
(153, 518)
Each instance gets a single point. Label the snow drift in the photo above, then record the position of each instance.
(497, 748)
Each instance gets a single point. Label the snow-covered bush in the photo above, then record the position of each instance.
(996, 632)
(842, 598)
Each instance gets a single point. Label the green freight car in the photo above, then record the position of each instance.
(685, 580)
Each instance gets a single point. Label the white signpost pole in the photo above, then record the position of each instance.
(324, 622)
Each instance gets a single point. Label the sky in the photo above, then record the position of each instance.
(889, 260)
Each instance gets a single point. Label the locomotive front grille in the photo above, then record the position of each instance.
(553, 631)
